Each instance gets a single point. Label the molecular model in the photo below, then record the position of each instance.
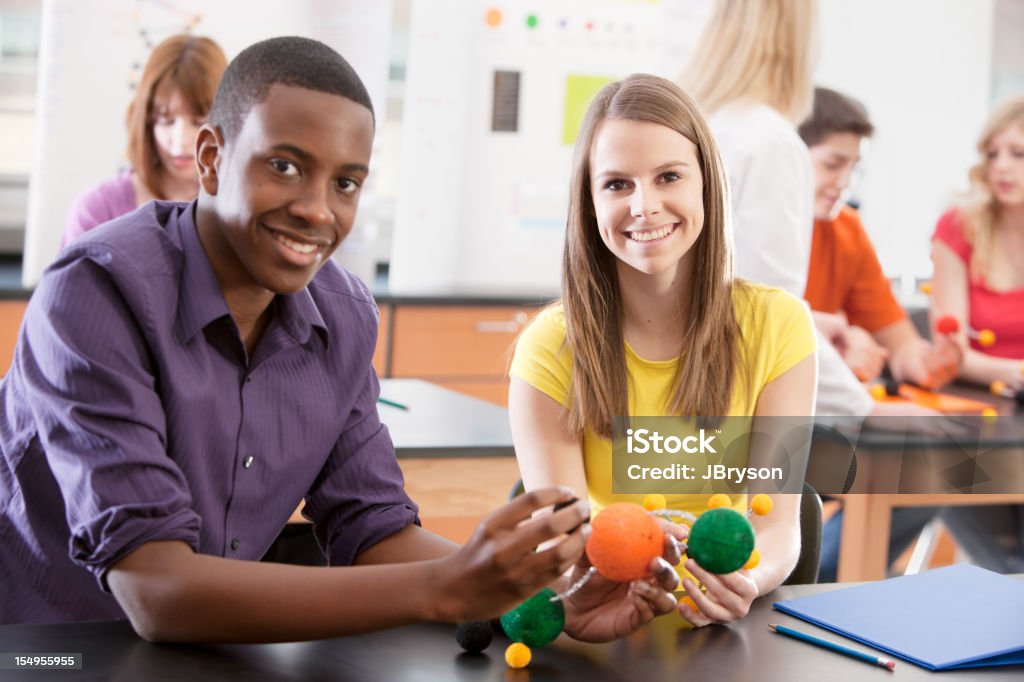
(625, 538)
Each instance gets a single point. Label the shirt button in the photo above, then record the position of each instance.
(235, 543)
(248, 378)
(248, 462)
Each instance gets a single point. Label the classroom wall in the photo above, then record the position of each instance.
(923, 68)
(484, 210)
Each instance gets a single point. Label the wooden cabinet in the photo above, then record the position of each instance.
(454, 494)
(11, 314)
(380, 353)
(467, 348)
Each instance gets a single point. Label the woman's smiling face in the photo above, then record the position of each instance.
(648, 193)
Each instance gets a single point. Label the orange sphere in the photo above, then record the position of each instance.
(947, 324)
(654, 502)
(623, 542)
(518, 655)
(719, 500)
(761, 504)
(493, 17)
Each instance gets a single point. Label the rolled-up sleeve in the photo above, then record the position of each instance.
(93, 394)
(359, 497)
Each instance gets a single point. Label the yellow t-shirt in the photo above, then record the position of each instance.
(777, 333)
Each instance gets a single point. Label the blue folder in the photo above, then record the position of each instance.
(959, 616)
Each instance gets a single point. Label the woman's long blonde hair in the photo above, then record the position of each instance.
(590, 285)
(980, 208)
(757, 51)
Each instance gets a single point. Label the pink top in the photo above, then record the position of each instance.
(1000, 311)
(96, 205)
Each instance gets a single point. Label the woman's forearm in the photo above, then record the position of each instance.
(778, 543)
(979, 368)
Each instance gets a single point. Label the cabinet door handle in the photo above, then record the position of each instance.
(503, 326)
(497, 326)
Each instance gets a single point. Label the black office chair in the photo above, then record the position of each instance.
(806, 570)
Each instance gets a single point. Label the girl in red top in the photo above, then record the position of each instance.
(978, 252)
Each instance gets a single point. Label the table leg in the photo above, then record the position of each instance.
(864, 544)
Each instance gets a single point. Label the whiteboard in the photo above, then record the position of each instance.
(87, 52)
(483, 209)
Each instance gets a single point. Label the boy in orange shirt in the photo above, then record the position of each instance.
(852, 300)
(851, 297)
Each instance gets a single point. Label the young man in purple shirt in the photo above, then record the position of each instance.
(187, 373)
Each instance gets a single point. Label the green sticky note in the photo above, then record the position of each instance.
(579, 90)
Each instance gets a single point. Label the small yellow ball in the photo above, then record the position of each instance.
(878, 392)
(926, 288)
(719, 500)
(761, 504)
(754, 560)
(518, 655)
(654, 501)
(997, 387)
(990, 414)
(986, 338)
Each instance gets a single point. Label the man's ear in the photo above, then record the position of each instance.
(209, 151)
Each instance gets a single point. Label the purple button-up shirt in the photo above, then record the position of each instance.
(131, 414)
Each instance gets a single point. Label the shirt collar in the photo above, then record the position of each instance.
(202, 301)
(298, 314)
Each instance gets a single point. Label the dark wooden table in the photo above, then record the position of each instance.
(901, 467)
(746, 650)
(439, 422)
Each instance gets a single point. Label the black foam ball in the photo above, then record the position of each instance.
(892, 388)
(474, 636)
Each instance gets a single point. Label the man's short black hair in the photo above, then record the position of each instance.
(834, 113)
(288, 60)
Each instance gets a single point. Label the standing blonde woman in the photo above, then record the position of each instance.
(171, 103)
(752, 72)
(652, 323)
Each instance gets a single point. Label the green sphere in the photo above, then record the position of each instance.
(537, 621)
(721, 540)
